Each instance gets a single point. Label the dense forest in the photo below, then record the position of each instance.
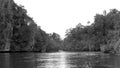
(102, 35)
(19, 32)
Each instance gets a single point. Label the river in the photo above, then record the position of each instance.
(59, 60)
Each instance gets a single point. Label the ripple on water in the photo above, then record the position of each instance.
(63, 60)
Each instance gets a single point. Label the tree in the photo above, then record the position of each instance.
(103, 34)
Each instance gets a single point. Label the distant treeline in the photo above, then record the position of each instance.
(102, 35)
(19, 32)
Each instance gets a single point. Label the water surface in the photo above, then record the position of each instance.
(59, 60)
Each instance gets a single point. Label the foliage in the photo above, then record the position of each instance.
(103, 34)
(19, 32)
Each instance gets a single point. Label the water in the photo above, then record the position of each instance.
(59, 60)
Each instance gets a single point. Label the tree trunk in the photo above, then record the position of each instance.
(7, 45)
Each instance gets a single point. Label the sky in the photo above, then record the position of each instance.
(60, 15)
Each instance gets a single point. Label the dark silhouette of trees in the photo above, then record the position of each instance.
(102, 35)
(18, 31)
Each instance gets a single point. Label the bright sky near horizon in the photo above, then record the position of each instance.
(60, 15)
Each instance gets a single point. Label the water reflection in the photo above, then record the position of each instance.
(5, 61)
(53, 60)
(77, 60)
(22, 60)
(59, 60)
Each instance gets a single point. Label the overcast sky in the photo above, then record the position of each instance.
(60, 15)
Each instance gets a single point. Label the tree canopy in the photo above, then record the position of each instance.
(102, 35)
(19, 32)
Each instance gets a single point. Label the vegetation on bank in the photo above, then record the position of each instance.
(19, 32)
(102, 35)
